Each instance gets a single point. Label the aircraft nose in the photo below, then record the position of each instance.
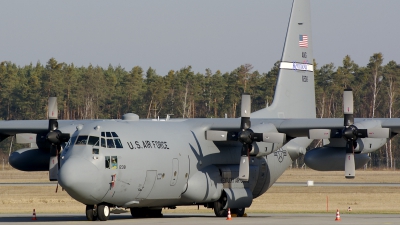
(79, 178)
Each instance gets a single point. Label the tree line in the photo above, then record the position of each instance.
(94, 92)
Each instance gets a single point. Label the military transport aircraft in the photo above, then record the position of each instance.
(145, 165)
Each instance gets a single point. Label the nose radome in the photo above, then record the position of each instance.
(79, 178)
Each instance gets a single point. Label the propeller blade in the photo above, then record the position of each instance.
(245, 112)
(349, 164)
(244, 168)
(278, 138)
(374, 133)
(53, 110)
(348, 106)
(53, 164)
(319, 133)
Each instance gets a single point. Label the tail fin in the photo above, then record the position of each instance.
(295, 91)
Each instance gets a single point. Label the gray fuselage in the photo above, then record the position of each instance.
(159, 164)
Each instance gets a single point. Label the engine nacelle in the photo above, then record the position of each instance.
(30, 159)
(332, 159)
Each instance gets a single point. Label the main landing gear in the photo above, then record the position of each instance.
(94, 212)
(146, 213)
(221, 212)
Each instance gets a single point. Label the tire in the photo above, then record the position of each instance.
(219, 206)
(146, 213)
(239, 212)
(91, 213)
(137, 212)
(103, 212)
(218, 209)
(156, 213)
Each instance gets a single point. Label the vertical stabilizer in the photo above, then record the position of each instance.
(295, 91)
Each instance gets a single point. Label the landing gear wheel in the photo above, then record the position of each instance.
(239, 212)
(91, 213)
(103, 212)
(137, 212)
(155, 213)
(219, 206)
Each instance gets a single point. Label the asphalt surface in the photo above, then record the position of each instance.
(295, 184)
(186, 219)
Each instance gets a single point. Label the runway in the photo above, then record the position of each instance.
(186, 219)
(294, 184)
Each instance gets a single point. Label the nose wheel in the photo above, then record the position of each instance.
(101, 212)
(91, 213)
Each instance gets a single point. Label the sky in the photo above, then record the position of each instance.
(169, 35)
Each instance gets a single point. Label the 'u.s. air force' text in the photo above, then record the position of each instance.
(148, 144)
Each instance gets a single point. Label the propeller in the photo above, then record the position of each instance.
(349, 132)
(246, 136)
(55, 137)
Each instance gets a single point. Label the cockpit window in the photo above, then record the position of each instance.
(118, 143)
(110, 140)
(110, 143)
(81, 140)
(103, 142)
(93, 141)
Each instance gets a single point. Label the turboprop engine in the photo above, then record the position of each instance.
(46, 145)
(331, 159)
(30, 159)
(351, 133)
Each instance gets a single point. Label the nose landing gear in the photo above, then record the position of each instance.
(94, 212)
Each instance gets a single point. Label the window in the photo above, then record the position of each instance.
(111, 162)
(110, 140)
(107, 161)
(114, 162)
(118, 143)
(93, 141)
(110, 143)
(103, 142)
(95, 151)
(81, 140)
